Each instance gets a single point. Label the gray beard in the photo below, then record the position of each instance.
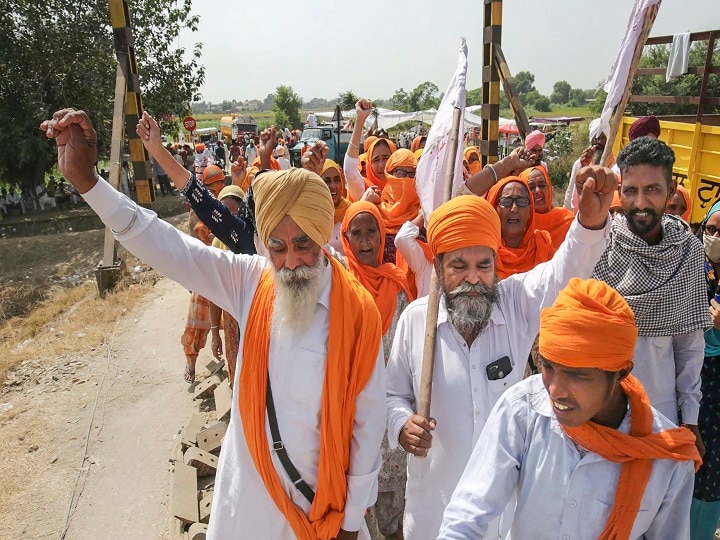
(296, 295)
(470, 314)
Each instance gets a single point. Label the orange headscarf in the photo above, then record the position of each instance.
(274, 163)
(371, 179)
(688, 202)
(353, 343)
(384, 282)
(557, 220)
(590, 316)
(399, 201)
(616, 204)
(536, 246)
(213, 177)
(362, 165)
(415, 144)
(475, 166)
(368, 141)
(343, 203)
(465, 221)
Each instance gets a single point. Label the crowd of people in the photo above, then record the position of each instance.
(573, 391)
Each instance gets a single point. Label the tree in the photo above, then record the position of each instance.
(542, 104)
(596, 106)
(530, 98)
(268, 102)
(577, 97)
(286, 107)
(424, 96)
(56, 64)
(347, 100)
(563, 89)
(473, 97)
(399, 100)
(524, 83)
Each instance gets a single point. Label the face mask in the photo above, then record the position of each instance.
(712, 247)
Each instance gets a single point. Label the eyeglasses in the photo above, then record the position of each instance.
(711, 229)
(402, 173)
(507, 202)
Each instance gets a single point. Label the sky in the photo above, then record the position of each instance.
(375, 47)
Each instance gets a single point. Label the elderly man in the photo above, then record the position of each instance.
(656, 262)
(485, 331)
(312, 475)
(579, 446)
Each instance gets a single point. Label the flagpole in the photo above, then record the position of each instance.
(428, 364)
(618, 113)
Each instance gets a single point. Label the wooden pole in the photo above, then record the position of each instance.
(428, 363)
(116, 145)
(650, 15)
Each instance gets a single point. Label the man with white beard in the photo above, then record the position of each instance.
(485, 330)
(302, 451)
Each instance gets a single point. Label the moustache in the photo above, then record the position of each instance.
(466, 288)
(648, 211)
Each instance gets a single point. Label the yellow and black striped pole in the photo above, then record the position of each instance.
(125, 51)
(492, 31)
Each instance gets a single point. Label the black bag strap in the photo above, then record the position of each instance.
(279, 448)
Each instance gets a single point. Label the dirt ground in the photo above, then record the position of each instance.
(86, 437)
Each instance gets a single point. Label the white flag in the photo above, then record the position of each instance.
(430, 177)
(616, 81)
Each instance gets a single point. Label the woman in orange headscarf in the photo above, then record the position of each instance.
(472, 156)
(523, 246)
(555, 220)
(332, 175)
(363, 236)
(680, 203)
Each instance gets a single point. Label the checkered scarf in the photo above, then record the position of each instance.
(664, 284)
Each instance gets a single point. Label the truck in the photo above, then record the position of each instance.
(327, 133)
(234, 128)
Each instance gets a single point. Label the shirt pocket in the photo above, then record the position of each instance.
(307, 376)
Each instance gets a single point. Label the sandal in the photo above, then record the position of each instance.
(189, 375)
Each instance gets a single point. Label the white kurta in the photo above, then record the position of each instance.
(354, 181)
(242, 508)
(406, 244)
(669, 369)
(523, 451)
(462, 395)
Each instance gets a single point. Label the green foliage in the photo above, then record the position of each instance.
(399, 100)
(347, 100)
(424, 96)
(561, 151)
(61, 54)
(524, 83)
(286, 107)
(529, 98)
(576, 97)
(542, 104)
(562, 88)
(596, 106)
(686, 85)
(473, 97)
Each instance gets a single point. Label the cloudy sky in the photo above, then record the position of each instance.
(374, 47)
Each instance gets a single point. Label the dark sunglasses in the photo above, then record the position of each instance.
(507, 202)
(401, 173)
(711, 229)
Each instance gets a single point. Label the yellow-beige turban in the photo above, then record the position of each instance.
(465, 221)
(297, 193)
(590, 325)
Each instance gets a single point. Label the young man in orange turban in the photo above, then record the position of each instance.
(485, 330)
(308, 331)
(579, 446)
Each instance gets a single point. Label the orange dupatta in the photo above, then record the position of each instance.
(383, 282)
(371, 179)
(557, 220)
(343, 203)
(636, 451)
(399, 200)
(536, 246)
(352, 348)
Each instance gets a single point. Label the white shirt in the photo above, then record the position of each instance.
(406, 244)
(571, 196)
(250, 155)
(462, 395)
(354, 181)
(284, 163)
(523, 451)
(242, 508)
(311, 120)
(669, 369)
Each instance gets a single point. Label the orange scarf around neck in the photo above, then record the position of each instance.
(385, 281)
(636, 451)
(352, 348)
(340, 209)
(557, 222)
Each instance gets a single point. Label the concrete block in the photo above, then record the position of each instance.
(197, 531)
(215, 366)
(223, 401)
(188, 437)
(204, 462)
(205, 505)
(210, 439)
(185, 494)
(205, 388)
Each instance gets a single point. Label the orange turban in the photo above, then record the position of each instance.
(274, 163)
(616, 204)
(416, 142)
(368, 141)
(385, 281)
(399, 202)
(200, 147)
(536, 246)
(465, 221)
(297, 193)
(343, 203)
(371, 178)
(475, 166)
(213, 177)
(556, 220)
(688, 202)
(590, 325)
